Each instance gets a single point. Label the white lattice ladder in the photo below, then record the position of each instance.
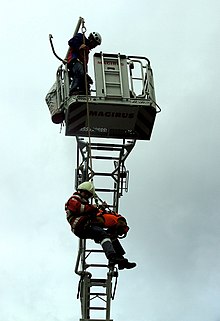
(112, 77)
(115, 155)
(95, 293)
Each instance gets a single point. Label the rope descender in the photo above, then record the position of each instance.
(83, 29)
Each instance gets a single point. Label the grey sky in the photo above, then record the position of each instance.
(173, 201)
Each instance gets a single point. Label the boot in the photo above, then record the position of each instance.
(114, 259)
(125, 264)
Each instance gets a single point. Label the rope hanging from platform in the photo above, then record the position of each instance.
(87, 97)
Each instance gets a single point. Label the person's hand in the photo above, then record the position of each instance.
(103, 206)
(93, 210)
(83, 47)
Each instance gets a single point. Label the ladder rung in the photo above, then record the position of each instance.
(96, 265)
(105, 190)
(137, 78)
(95, 320)
(97, 308)
(109, 57)
(103, 174)
(106, 145)
(99, 294)
(105, 157)
(98, 280)
(94, 251)
(109, 83)
(111, 71)
(114, 95)
(114, 149)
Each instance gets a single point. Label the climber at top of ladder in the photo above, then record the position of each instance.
(90, 222)
(77, 59)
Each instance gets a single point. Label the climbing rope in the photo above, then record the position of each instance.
(53, 50)
(83, 29)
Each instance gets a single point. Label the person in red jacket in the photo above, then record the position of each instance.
(116, 227)
(81, 216)
(114, 222)
(77, 60)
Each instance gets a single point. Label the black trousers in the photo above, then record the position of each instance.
(77, 76)
(98, 234)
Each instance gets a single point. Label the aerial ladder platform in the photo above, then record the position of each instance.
(106, 123)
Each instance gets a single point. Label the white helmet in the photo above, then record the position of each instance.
(96, 36)
(87, 186)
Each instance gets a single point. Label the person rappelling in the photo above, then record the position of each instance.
(88, 221)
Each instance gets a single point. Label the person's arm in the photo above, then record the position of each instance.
(77, 208)
(76, 41)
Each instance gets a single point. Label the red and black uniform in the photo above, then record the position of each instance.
(82, 217)
(75, 52)
(79, 213)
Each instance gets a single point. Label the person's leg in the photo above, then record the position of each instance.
(78, 78)
(118, 247)
(113, 250)
(113, 253)
(99, 235)
(123, 264)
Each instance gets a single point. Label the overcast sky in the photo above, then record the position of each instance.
(173, 201)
